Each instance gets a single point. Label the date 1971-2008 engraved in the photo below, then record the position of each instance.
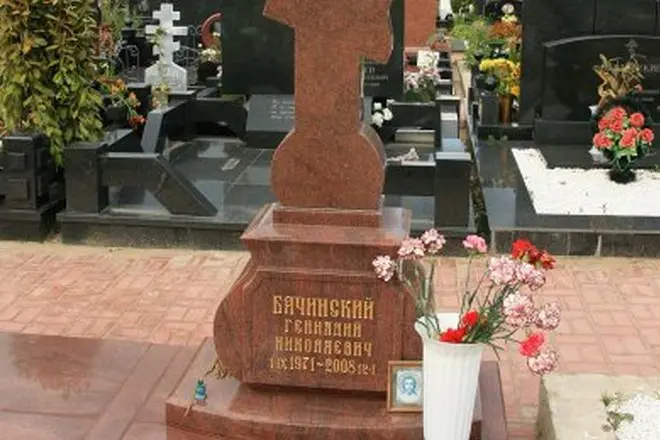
(328, 365)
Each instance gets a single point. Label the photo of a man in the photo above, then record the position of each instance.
(409, 391)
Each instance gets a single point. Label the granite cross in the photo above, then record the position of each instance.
(331, 159)
(166, 17)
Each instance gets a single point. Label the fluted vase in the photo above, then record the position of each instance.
(451, 376)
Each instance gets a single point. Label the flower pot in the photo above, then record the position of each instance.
(622, 176)
(505, 109)
(451, 375)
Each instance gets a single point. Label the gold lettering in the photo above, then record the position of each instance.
(357, 349)
(297, 326)
(334, 308)
(327, 328)
(337, 348)
(279, 343)
(288, 306)
(347, 328)
(336, 329)
(348, 348)
(323, 307)
(318, 346)
(310, 310)
(307, 345)
(357, 330)
(299, 305)
(327, 346)
(367, 348)
(357, 309)
(297, 344)
(307, 327)
(287, 324)
(288, 343)
(277, 304)
(368, 309)
(318, 325)
(346, 309)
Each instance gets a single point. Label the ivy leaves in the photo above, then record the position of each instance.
(47, 70)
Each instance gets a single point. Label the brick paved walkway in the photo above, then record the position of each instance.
(611, 306)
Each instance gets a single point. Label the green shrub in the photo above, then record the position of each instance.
(47, 68)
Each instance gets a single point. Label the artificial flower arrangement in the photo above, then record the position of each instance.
(506, 73)
(622, 126)
(622, 137)
(420, 84)
(381, 114)
(502, 308)
(117, 92)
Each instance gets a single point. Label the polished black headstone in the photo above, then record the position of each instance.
(253, 44)
(544, 21)
(270, 118)
(570, 85)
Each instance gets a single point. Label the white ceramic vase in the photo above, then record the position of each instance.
(451, 377)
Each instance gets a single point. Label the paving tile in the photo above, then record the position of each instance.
(611, 306)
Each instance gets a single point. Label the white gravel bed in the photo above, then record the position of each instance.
(645, 425)
(574, 191)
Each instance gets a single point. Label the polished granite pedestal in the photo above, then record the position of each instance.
(56, 388)
(238, 412)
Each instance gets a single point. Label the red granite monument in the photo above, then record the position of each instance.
(307, 330)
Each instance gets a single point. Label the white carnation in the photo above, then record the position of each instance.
(387, 114)
(378, 106)
(377, 119)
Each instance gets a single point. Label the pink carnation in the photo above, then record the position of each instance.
(433, 241)
(518, 310)
(543, 363)
(530, 276)
(502, 270)
(384, 267)
(476, 243)
(548, 316)
(411, 248)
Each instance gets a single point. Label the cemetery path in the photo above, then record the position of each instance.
(611, 306)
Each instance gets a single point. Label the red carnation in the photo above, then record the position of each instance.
(470, 319)
(617, 113)
(617, 125)
(531, 346)
(602, 141)
(547, 261)
(604, 124)
(629, 138)
(637, 120)
(453, 336)
(646, 135)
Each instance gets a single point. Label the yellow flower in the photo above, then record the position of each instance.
(515, 91)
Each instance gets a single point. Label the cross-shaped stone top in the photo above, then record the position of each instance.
(166, 17)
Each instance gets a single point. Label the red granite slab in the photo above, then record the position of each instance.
(235, 411)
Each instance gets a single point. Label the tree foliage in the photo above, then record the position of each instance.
(47, 68)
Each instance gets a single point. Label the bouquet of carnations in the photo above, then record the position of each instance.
(420, 84)
(623, 136)
(501, 308)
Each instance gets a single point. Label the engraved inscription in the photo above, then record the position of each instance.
(282, 109)
(316, 334)
(373, 76)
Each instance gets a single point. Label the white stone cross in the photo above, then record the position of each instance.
(176, 77)
(166, 17)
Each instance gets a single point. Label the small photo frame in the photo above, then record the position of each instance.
(405, 386)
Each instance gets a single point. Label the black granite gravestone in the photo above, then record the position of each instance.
(570, 85)
(270, 118)
(545, 22)
(258, 53)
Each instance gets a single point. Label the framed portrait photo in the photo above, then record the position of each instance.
(404, 386)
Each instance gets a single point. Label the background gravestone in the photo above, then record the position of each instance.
(193, 12)
(570, 85)
(545, 22)
(253, 45)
